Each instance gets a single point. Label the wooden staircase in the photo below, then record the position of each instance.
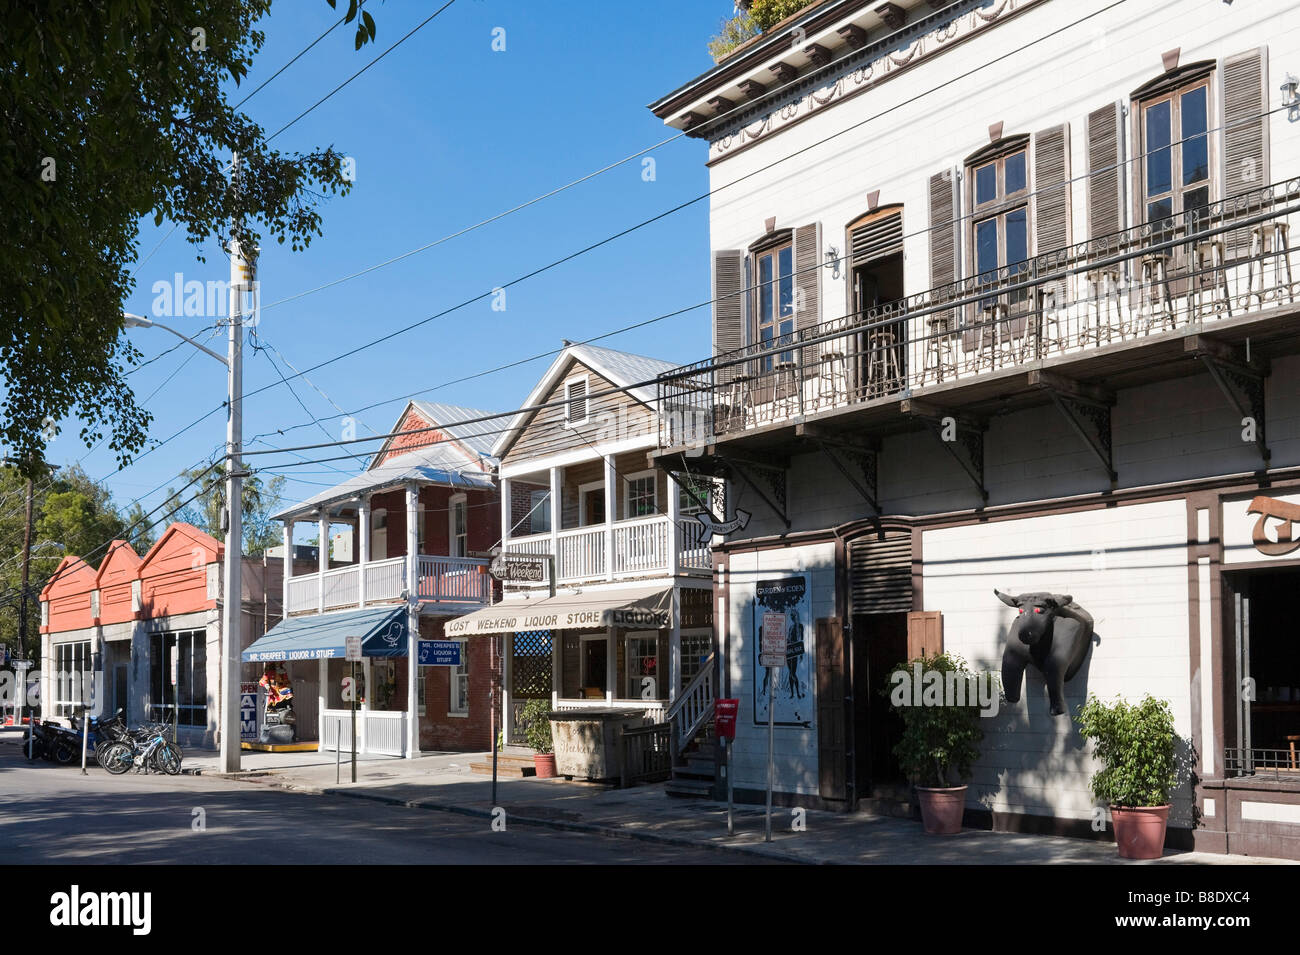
(695, 745)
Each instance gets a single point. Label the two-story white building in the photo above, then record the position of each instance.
(1005, 298)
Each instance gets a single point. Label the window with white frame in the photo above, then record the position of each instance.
(696, 646)
(457, 531)
(459, 702)
(72, 677)
(643, 677)
(640, 500)
(539, 512)
(591, 503)
(576, 404)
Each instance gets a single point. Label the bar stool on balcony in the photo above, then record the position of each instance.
(1209, 280)
(1103, 286)
(785, 391)
(1047, 326)
(1155, 300)
(995, 330)
(832, 378)
(883, 370)
(738, 400)
(1269, 240)
(940, 349)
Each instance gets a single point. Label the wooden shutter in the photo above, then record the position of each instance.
(728, 306)
(880, 574)
(575, 396)
(875, 237)
(943, 247)
(1105, 160)
(808, 276)
(924, 633)
(1245, 154)
(832, 747)
(1052, 189)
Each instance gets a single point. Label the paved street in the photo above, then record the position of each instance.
(53, 814)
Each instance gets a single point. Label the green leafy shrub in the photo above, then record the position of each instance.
(768, 13)
(731, 33)
(939, 743)
(536, 718)
(1135, 743)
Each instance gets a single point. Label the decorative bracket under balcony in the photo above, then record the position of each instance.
(1087, 410)
(766, 481)
(960, 435)
(1242, 381)
(858, 461)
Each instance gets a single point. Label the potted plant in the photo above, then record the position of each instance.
(940, 737)
(536, 720)
(1135, 743)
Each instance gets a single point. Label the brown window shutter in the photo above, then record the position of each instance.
(728, 305)
(1105, 162)
(808, 276)
(924, 634)
(1245, 153)
(1052, 189)
(875, 236)
(943, 246)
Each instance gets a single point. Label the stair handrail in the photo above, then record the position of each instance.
(696, 700)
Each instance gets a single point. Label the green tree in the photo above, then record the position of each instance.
(115, 110)
(260, 500)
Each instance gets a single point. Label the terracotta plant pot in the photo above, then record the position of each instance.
(544, 764)
(941, 809)
(1140, 830)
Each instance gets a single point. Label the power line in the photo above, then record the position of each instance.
(296, 58)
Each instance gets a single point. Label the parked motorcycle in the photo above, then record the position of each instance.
(102, 732)
(45, 740)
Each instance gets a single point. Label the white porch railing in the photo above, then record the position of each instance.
(378, 731)
(655, 710)
(581, 553)
(693, 708)
(694, 545)
(454, 580)
(641, 545)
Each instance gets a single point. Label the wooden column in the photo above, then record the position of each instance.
(322, 557)
(557, 480)
(363, 547)
(287, 537)
(507, 518)
(611, 505)
(412, 619)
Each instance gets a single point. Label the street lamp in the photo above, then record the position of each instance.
(231, 623)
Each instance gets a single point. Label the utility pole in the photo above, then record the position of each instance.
(231, 622)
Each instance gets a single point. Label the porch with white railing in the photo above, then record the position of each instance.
(640, 547)
(456, 581)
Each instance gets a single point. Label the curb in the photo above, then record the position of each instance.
(537, 822)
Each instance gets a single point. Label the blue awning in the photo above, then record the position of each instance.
(322, 636)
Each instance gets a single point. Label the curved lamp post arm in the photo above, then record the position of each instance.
(139, 321)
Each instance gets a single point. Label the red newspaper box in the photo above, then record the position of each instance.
(724, 718)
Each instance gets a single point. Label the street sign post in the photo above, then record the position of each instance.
(771, 655)
(352, 653)
(724, 724)
(22, 666)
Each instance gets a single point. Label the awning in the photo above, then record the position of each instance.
(322, 636)
(649, 608)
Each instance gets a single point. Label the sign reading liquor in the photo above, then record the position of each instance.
(439, 653)
(521, 568)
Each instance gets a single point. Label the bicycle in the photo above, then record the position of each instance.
(149, 748)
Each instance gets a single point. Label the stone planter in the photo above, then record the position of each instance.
(1140, 830)
(941, 809)
(544, 764)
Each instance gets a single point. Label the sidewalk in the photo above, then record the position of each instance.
(444, 782)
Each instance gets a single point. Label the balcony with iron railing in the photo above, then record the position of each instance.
(1123, 308)
(456, 582)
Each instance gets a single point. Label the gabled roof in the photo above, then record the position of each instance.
(73, 575)
(191, 534)
(623, 369)
(120, 554)
(459, 423)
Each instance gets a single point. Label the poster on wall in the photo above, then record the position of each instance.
(783, 603)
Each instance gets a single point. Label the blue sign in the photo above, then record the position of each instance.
(439, 653)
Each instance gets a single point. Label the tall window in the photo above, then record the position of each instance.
(190, 694)
(459, 702)
(1001, 219)
(1176, 146)
(696, 646)
(774, 300)
(643, 678)
(641, 496)
(539, 512)
(458, 537)
(72, 677)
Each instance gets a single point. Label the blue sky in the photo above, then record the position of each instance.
(445, 132)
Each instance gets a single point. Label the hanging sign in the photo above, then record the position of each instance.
(439, 653)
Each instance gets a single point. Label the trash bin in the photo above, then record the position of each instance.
(587, 741)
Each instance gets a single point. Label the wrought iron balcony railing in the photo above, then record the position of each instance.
(1226, 259)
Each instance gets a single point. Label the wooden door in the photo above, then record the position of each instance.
(924, 634)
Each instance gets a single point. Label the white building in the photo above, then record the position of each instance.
(1005, 299)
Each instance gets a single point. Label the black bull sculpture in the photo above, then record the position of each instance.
(1053, 633)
